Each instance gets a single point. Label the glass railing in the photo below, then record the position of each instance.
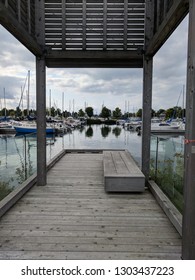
(18, 158)
(18, 161)
(167, 166)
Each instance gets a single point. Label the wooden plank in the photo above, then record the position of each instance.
(167, 206)
(82, 221)
(84, 12)
(10, 22)
(63, 25)
(88, 231)
(29, 16)
(105, 25)
(48, 255)
(175, 15)
(117, 241)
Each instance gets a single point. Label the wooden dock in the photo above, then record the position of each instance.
(72, 217)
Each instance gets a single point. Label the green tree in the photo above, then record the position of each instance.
(81, 113)
(117, 113)
(105, 113)
(18, 111)
(153, 113)
(11, 113)
(89, 111)
(159, 112)
(139, 113)
(53, 111)
(169, 113)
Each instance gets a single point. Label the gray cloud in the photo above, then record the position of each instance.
(12, 86)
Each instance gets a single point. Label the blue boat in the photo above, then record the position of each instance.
(31, 127)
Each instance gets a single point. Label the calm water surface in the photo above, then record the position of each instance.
(18, 155)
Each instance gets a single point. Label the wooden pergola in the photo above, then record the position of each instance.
(108, 33)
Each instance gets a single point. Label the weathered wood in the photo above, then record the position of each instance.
(188, 242)
(17, 30)
(121, 174)
(72, 221)
(167, 206)
(94, 58)
(63, 24)
(41, 121)
(14, 196)
(147, 92)
(105, 25)
(173, 17)
(48, 255)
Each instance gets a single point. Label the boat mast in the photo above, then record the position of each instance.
(5, 103)
(28, 93)
(50, 102)
(183, 105)
(62, 103)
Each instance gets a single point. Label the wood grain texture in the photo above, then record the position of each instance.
(73, 218)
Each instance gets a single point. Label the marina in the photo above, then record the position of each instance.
(18, 153)
(55, 202)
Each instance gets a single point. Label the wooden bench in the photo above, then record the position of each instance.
(121, 173)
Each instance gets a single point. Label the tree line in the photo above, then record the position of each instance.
(106, 113)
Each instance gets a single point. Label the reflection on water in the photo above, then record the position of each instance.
(105, 130)
(89, 132)
(116, 131)
(103, 137)
(18, 155)
(18, 159)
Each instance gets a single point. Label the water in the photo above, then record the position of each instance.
(18, 155)
(105, 137)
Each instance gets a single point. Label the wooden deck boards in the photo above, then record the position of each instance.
(73, 218)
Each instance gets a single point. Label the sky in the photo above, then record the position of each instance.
(95, 87)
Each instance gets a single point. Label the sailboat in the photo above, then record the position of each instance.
(5, 125)
(31, 127)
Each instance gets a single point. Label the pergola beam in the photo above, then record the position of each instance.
(18, 31)
(95, 59)
(175, 15)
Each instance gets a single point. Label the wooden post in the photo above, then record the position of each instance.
(41, 121)
(147, 91)
(188, 234)
(146, 115)
(41, 95)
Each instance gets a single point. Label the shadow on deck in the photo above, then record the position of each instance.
(72, 217)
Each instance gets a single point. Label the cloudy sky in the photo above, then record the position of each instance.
(96, 87)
